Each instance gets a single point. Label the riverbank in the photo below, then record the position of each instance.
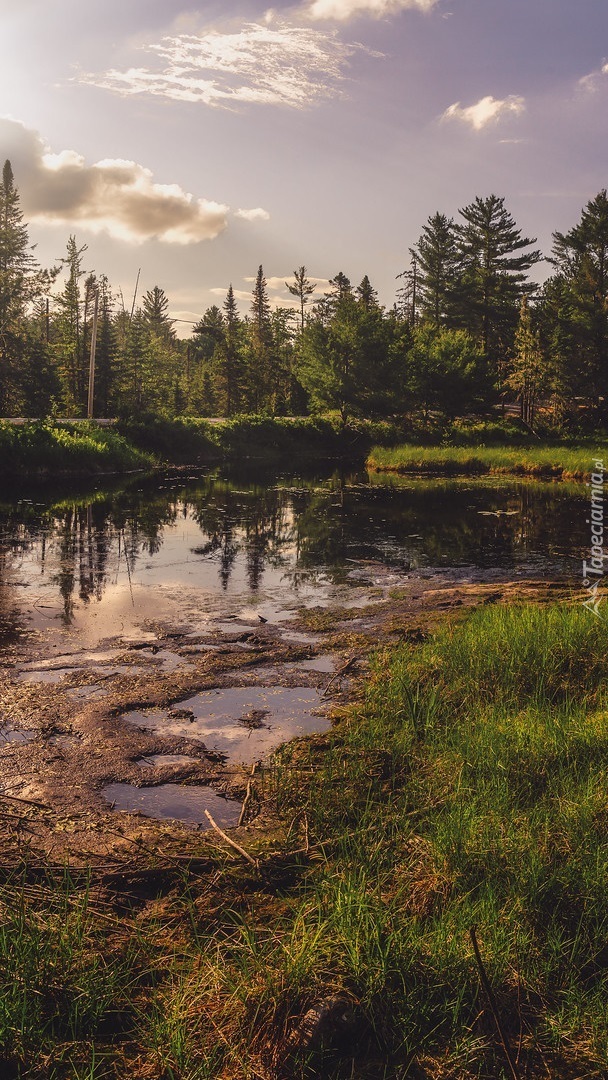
(461, 785)
(80, 449)
(565, 462)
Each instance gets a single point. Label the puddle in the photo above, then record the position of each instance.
(304, 639)
(175, 801)
(16, 735)
(216, 715)
(169, 661)
(154, 760)
(318, 663)
(92, 690)
(64, 742)
(45, 675)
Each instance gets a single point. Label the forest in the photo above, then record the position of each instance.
(470, 331)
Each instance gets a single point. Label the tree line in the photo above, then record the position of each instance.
(469, 331)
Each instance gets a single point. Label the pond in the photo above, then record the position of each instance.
(114, 587)
(198, 548)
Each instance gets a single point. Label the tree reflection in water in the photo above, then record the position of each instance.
(301, 529)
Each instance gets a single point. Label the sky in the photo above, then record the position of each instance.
(195, 141)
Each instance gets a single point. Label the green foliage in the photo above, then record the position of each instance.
(446, 371)
(47, 447)
(355, 362)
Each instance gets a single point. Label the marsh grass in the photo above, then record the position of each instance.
(467, 786)
(565, 461)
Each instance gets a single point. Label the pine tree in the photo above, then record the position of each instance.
(155, 306)
(528, 371)
(302, 288)
(494, 265)
(260, 344)
(437, 270)
(68, 331)
(581, 258)
(233, 367)
(366, 295)
(20, 281)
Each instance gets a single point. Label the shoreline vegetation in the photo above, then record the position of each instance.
(46, 448)
(565, 462)
(42, 448)
(464, 788)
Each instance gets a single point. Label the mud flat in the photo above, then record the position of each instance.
(108, 740)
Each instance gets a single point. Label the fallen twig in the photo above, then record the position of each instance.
(245, 804)
(232, 843)
(341, 671)
(26, 802)
(485, 982)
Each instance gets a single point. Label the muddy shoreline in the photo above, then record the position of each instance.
(66, 734)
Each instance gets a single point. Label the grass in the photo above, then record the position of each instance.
(50, 448)
(567, 462)
(466, 787)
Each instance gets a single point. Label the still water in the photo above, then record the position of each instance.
(105, 561)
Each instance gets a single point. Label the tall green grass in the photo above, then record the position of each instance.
(548, 461)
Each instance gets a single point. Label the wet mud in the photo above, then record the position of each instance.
(132, 741)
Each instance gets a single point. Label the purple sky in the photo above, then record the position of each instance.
(197, 140)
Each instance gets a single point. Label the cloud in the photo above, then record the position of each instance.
(594, 80)
(256, 214)
(113, 195)
(349, 9)
(270, 64)
(278, 284)
(487, 111)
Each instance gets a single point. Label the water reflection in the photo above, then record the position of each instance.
(226, 537)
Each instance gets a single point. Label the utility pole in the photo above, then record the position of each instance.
(92, 358)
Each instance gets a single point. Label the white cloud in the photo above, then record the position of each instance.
(348, 9)
(256, 214)
(486, 111)
(114, 196)
(278, 284)
(593, 81)
(266, 64)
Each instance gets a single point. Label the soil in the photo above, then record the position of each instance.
(64, 735)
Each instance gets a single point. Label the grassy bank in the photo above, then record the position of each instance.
(262, 439)
(567, 462)
(47, 448)
(41, 448)
(466, 788)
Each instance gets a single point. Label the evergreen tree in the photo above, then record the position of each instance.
(581, 258)
(437, 270)
(494, 264)
(20, 282)
(260, 333)
(366, 295)
(233, 367)
(446, 371)
(356, 364)
(106, 355)
(528, 371)
(303, 289)
(68, 331)
(155, 307)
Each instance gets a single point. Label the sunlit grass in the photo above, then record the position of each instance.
(542, 461)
